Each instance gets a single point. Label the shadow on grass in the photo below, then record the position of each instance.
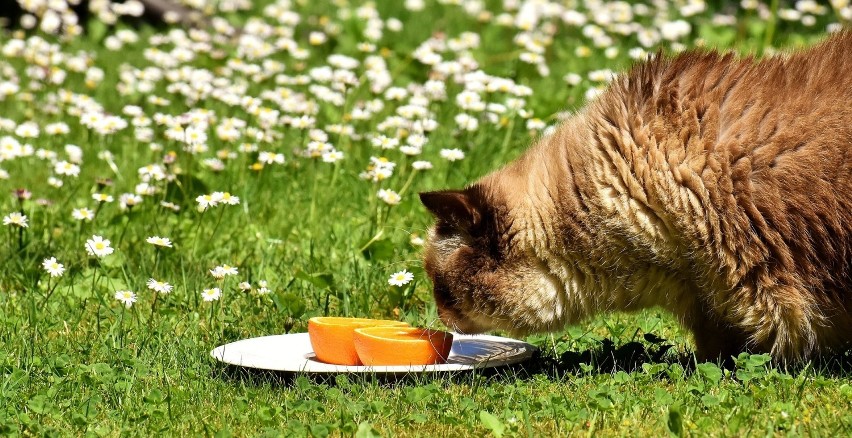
(609, 358)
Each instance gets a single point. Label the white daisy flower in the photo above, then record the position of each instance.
(159, 241)
(54, 268)
(159, 286)
(211, 294)
(400, 278)
(98, 246)
(126, 297)
(16, 218)
(452, 154)
(389, 196)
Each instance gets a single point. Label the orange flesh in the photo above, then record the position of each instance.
(332, 337)
(402, 346)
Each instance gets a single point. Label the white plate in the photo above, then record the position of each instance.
(294, 353)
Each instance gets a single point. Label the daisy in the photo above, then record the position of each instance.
(126, 297)
(220, 272)
(193, 135)
(637, 53)
(262, 288)
(211, 294)
(410, 150)
(389, 196)
(159, 241)
(82, 214)
(452, 154)
(466, 122)
(535, 124)
(75, 153)
(332, 156)
(159, 286)
(27, 130)
(603, 75)
(228, 270)
(98, 246)
(244, 286)
(317, 148)
(384, 142)
(205, 201)
(674, 30)
(129, 200)
(54, 268)
(66, 168)
(102, 197)
(57, 128)
(16, 218)
(226, 198)
(170, 205)
(316, 38)
(271, 157)
(421, 165)
(400, 278)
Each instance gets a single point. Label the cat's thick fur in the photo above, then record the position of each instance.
(714, 186)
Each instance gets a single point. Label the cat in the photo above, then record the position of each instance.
(715, 186)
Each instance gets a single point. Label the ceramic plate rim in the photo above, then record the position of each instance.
(300, 361)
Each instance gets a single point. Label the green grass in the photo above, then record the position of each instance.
(74, 361)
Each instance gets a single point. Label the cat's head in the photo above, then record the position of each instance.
(484, 270)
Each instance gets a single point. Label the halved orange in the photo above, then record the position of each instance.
(332, 337)
(402, 345)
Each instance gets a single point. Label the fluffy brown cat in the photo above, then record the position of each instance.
(714, 186)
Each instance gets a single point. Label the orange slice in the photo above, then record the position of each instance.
(402, 345)
(332, 337)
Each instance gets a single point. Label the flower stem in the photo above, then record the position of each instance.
(218, 221)
(197, 232)
(313, 192)
(154, 305)
(407, 182)
(508, 137)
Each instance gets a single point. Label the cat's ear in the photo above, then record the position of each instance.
(455, 207)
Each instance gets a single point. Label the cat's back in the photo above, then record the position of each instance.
(774, 137)
(742, 101)
(798, 97)
(765, 147)
(746, 157)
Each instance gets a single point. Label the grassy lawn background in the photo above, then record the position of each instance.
(312, 238)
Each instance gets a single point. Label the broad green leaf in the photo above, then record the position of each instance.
(321, 280)
(39, 404)
(289, 303)
(492, 423)
(709, 400)
(675, 420)
(709, 371)
(366, 430)
(378, 250)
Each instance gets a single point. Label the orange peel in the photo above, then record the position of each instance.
(402, 345)
(332, 337)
